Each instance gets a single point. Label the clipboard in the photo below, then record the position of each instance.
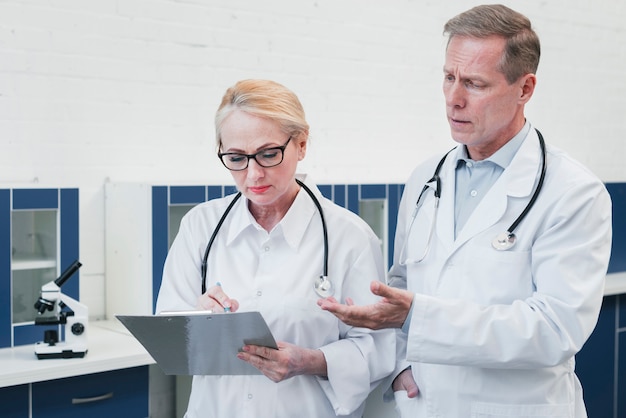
(199, 342)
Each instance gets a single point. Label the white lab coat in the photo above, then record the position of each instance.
(274, 273)
(494, 333)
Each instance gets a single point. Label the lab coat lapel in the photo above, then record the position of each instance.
(517, 180)
(445, 218)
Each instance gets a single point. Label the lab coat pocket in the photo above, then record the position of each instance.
(405, 406)
(496, 276)
(497, 410)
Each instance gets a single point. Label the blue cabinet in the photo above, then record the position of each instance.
(601, 364)
(123, 393)
(14, 401)
(38, 240)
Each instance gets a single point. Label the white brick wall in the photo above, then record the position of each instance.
(125, 90)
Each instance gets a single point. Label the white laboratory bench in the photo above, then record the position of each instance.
(110, 347)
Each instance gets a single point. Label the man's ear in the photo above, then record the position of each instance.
(527, 84)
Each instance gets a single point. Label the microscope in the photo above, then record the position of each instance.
(68, 312)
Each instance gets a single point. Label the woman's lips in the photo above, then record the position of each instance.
(258, 189)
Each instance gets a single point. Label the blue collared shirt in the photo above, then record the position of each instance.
(475, 178)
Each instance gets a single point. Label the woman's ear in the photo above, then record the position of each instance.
(301, 143)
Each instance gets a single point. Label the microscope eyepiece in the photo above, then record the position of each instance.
(68, 273)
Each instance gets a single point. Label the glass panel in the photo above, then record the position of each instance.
(373, 212)
(34, 236)
(34, 259)
(176, 215)
(26, 289)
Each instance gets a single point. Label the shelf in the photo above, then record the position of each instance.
(32, 264)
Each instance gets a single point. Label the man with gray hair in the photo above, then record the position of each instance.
(501, 248)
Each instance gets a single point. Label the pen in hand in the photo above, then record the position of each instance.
(226, 308)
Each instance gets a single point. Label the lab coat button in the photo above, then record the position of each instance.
(249, 396)
(267, 248)
(259, 293)
(473, 193)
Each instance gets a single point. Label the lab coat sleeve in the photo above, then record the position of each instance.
(361, 358)
(397, 277)
(181, 283)
(568, 261)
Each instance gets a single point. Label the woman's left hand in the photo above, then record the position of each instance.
(288, 361)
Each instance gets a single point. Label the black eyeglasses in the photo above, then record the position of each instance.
(268, 157)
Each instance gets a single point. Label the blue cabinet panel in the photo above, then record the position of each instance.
(35, 199)
(14, 401)
(5, 268)
(353, 198)
(29, 334)
(394, 195)
(228, 190)
(373, 191)
(595, 363)
(214, 192)
(326, 190)
(68, 214)
(160, 222)
(618, 248)
(187, 194)
(339, 195)
(122, 393)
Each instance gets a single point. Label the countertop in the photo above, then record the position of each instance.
(110, 347)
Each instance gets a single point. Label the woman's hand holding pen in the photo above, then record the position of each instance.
(216, 300)
(286, 362)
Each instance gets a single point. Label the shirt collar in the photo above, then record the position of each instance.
(293, 225)
(504, 155)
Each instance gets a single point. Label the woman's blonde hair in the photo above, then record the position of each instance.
(265, 99)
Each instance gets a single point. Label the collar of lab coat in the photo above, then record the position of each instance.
(519, 180)
(293, 224)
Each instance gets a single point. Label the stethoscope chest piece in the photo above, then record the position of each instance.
(504, 241)
(323, 287)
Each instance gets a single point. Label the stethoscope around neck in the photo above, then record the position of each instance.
(501, 242)
(322, 284)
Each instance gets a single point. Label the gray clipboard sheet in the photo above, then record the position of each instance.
(200, 343)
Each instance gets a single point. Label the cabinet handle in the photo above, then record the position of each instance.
(77, 401)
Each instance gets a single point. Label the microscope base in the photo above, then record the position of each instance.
(46, 351)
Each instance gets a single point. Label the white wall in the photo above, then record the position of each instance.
(125, 90)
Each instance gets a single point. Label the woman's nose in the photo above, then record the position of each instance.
(255, 170)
